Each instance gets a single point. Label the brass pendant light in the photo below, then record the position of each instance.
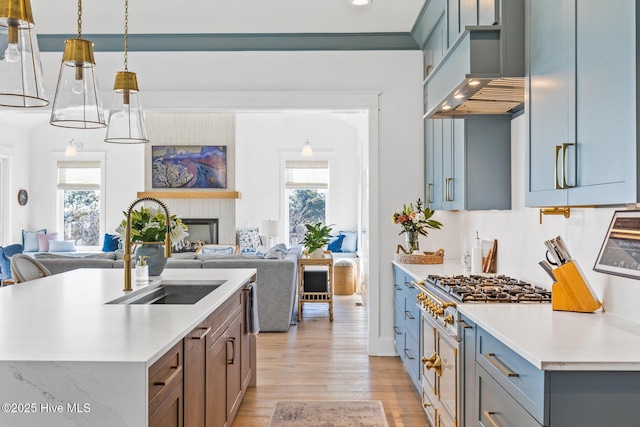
(77, 102)
(126, 118)
(21, 77)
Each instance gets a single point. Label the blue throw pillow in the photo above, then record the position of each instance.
(110, 244)
(217, 251)
(30, 240)
(62, 246)
(335, 244)
(350, 242)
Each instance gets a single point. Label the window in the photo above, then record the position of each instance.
(306, 187)
(79, 188)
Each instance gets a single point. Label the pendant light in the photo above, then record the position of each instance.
(306, 150)
(21, 77)
(77, 102)
(126, 118)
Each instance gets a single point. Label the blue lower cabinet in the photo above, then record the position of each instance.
(407, 326)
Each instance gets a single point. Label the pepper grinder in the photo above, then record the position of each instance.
(476, 256)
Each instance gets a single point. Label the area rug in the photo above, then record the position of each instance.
(328, 413)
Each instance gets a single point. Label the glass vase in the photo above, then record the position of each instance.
(412, 243)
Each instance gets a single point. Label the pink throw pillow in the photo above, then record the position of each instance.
(43, 241)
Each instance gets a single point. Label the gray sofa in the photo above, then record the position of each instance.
(277, 278)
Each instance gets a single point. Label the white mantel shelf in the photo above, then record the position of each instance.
(188, 194)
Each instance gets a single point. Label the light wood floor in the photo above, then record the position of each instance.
(319, 360)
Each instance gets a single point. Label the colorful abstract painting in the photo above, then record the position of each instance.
(189, 166)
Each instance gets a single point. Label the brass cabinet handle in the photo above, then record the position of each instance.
(565, 146)
(491, 357)
(204, 334)
(436, 365)
(397, 331)
(489, 414)
(429, 193)
(556, 183)
(447, 190)
(408, 354)
(176, 371)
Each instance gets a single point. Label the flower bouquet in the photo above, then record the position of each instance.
(415, 220)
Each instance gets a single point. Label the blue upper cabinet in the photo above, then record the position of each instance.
(582, 134)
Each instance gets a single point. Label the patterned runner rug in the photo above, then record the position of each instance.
(328, 413)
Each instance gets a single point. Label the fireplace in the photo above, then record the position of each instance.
(202, 231)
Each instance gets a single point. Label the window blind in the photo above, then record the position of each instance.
(79, 175)
(307, 174)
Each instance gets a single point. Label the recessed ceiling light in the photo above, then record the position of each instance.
(360, 2)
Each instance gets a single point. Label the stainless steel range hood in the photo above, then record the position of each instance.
(483, 72)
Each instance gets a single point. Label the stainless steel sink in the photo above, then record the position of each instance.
(170, 293)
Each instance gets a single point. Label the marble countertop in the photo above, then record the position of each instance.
(65, 317)
(551, 340)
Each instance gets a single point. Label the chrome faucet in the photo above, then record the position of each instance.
(127, 239)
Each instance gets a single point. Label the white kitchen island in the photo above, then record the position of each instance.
(67, 358)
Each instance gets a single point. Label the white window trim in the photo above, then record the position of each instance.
(100, 156)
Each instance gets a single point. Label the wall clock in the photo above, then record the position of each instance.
(23, 197)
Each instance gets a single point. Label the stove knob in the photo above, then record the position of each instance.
(448, 320)
(430, 359)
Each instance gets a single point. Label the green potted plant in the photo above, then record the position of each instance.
(315, 238)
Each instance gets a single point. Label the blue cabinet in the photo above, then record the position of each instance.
(502, 388)
(582, 134)
(407, 324)
(468, 163)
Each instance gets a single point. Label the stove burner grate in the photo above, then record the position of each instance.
(500, 289)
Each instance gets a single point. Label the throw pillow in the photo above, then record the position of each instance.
(335, 244)
(62, 246)
(111, 242)
(207, 250)
(350, 242)
(248, 240)
(30, 241)
(43, 241)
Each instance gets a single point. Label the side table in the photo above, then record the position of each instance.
(315, 297)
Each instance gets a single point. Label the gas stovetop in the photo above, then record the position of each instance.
(502, 289)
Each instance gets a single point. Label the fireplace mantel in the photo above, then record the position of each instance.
(188, 194)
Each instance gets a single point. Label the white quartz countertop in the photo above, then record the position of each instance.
(65, 317)
(551, 340)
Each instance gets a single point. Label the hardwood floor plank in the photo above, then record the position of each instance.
(320, 360)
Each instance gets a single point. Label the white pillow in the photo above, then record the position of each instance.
(62, 246)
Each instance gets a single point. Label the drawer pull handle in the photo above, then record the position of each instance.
(408, 354)
(398, 288)
(409, 285)
(465, 325)
(397, 331)
(489, 414)
(176, 371)
(556, 183)
(491, 357)
(231, 351)
(204, 334)
(565, 146)
(409, 315)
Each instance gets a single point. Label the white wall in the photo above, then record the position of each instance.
(263, 137)
(14, 147)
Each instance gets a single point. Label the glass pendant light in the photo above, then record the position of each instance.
(306, 150)
(21, 77)
(126, 118)
(77, 102)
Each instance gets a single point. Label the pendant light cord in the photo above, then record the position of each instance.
(126, 35)
(79, 19)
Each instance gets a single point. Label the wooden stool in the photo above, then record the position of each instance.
(344, 276)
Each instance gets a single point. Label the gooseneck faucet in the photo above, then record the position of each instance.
(127, 238)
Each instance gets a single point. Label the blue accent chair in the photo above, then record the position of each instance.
(5, 259)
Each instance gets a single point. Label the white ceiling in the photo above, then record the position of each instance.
(226, 16)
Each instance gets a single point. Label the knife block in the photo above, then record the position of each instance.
(571, 292)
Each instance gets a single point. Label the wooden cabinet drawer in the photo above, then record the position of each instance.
(170, 412)
(164, 375)
(518, 377)
(496, 407)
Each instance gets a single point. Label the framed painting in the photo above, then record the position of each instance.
(620, 251)
(189, 166)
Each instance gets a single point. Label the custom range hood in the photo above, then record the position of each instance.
(483, 72)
